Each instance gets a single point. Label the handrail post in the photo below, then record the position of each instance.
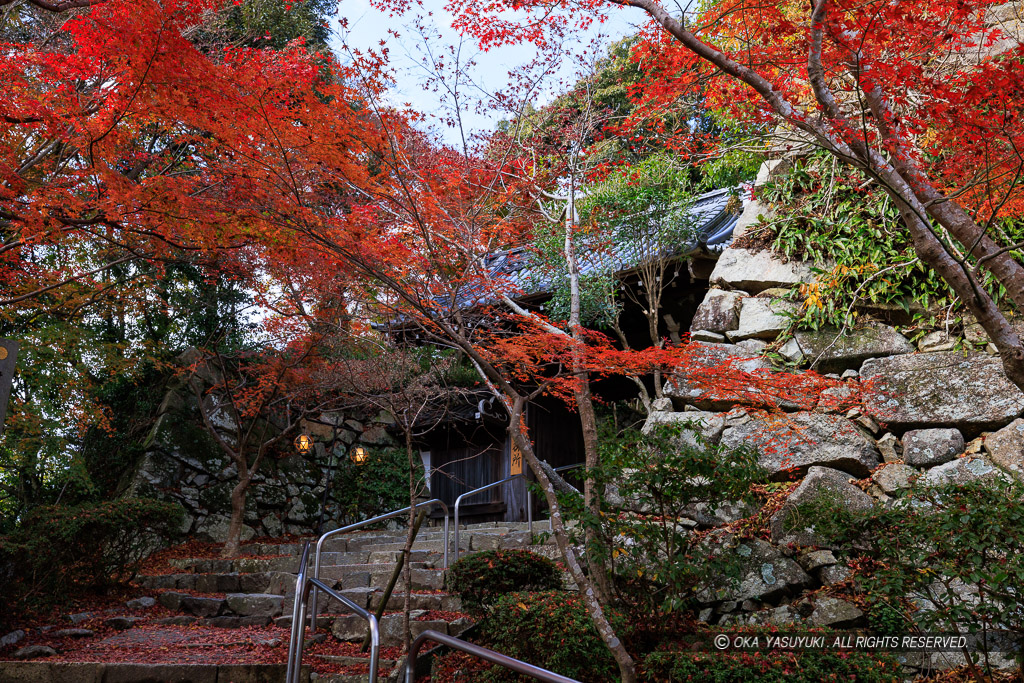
(295, 643)
(365, 522)
(458, 502)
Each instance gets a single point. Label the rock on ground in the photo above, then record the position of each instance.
(34, 652)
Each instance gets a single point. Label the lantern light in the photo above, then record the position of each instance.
(359, 455)
(303, 444)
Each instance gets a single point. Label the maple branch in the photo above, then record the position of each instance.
(57, 285)
(58, 6)
(815, 69)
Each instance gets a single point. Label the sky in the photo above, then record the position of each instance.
(368, 26)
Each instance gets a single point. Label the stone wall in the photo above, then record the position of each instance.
(909, 411)
(183, 464)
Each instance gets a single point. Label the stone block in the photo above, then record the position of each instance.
(828, 351)
(963, 471)
(835, 613)
(762, 319)
(757, 271)
(929, 447)
(894, 478)
(797, 441)
(914, 391)
(1006, 448)
(719, 312)
(789, 525)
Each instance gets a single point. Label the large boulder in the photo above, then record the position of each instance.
(699, 383)
(835, 613)
(216, 527)
(757, 271)
(719, 312)
(1006, 448)
(799, 441)
(963, 471)
(928, 447)
(762, 319)
(765, 574)
(707, 424)
(830, 351)
(820, 482)
(970, 392)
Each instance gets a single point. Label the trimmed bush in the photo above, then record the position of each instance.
(481, 578)
(770, 667)
(551, 629)
(93, 545)
(459, 667)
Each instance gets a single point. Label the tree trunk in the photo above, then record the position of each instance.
(595, 605)
(581, 392)
(903, 180)
(234, 541)
(414, 525)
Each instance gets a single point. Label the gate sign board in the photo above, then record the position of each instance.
(8, 355)
(515, 465)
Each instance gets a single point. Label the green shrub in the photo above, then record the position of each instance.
(95, 545)
(942, 559)
(481, 578)
(552, 630)
(770, 667)
(657, 567)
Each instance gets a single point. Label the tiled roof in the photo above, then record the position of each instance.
(712, 225)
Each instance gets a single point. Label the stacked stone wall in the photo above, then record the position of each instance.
(183, 464)
(924, 410)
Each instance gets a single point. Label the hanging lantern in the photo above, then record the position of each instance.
(303, 443)
(359, 455)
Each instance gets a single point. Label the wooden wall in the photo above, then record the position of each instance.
(465, 455)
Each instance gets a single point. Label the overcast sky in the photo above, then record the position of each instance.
(368, 26)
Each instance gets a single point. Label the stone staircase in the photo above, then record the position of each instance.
(245, 604)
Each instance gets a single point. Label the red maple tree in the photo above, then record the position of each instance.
(923, 98)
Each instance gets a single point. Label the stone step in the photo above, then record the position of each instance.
(355, 541)
(344, 660)
(124, 672)
(432, 546)
(209, 583)
(377, 576)
(233, 604)
(370, 599)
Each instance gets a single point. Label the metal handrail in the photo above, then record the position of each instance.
(365, 522)
(529, 501)
(297, 642)
(529, 494)
(458, 502)
(481, 652)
